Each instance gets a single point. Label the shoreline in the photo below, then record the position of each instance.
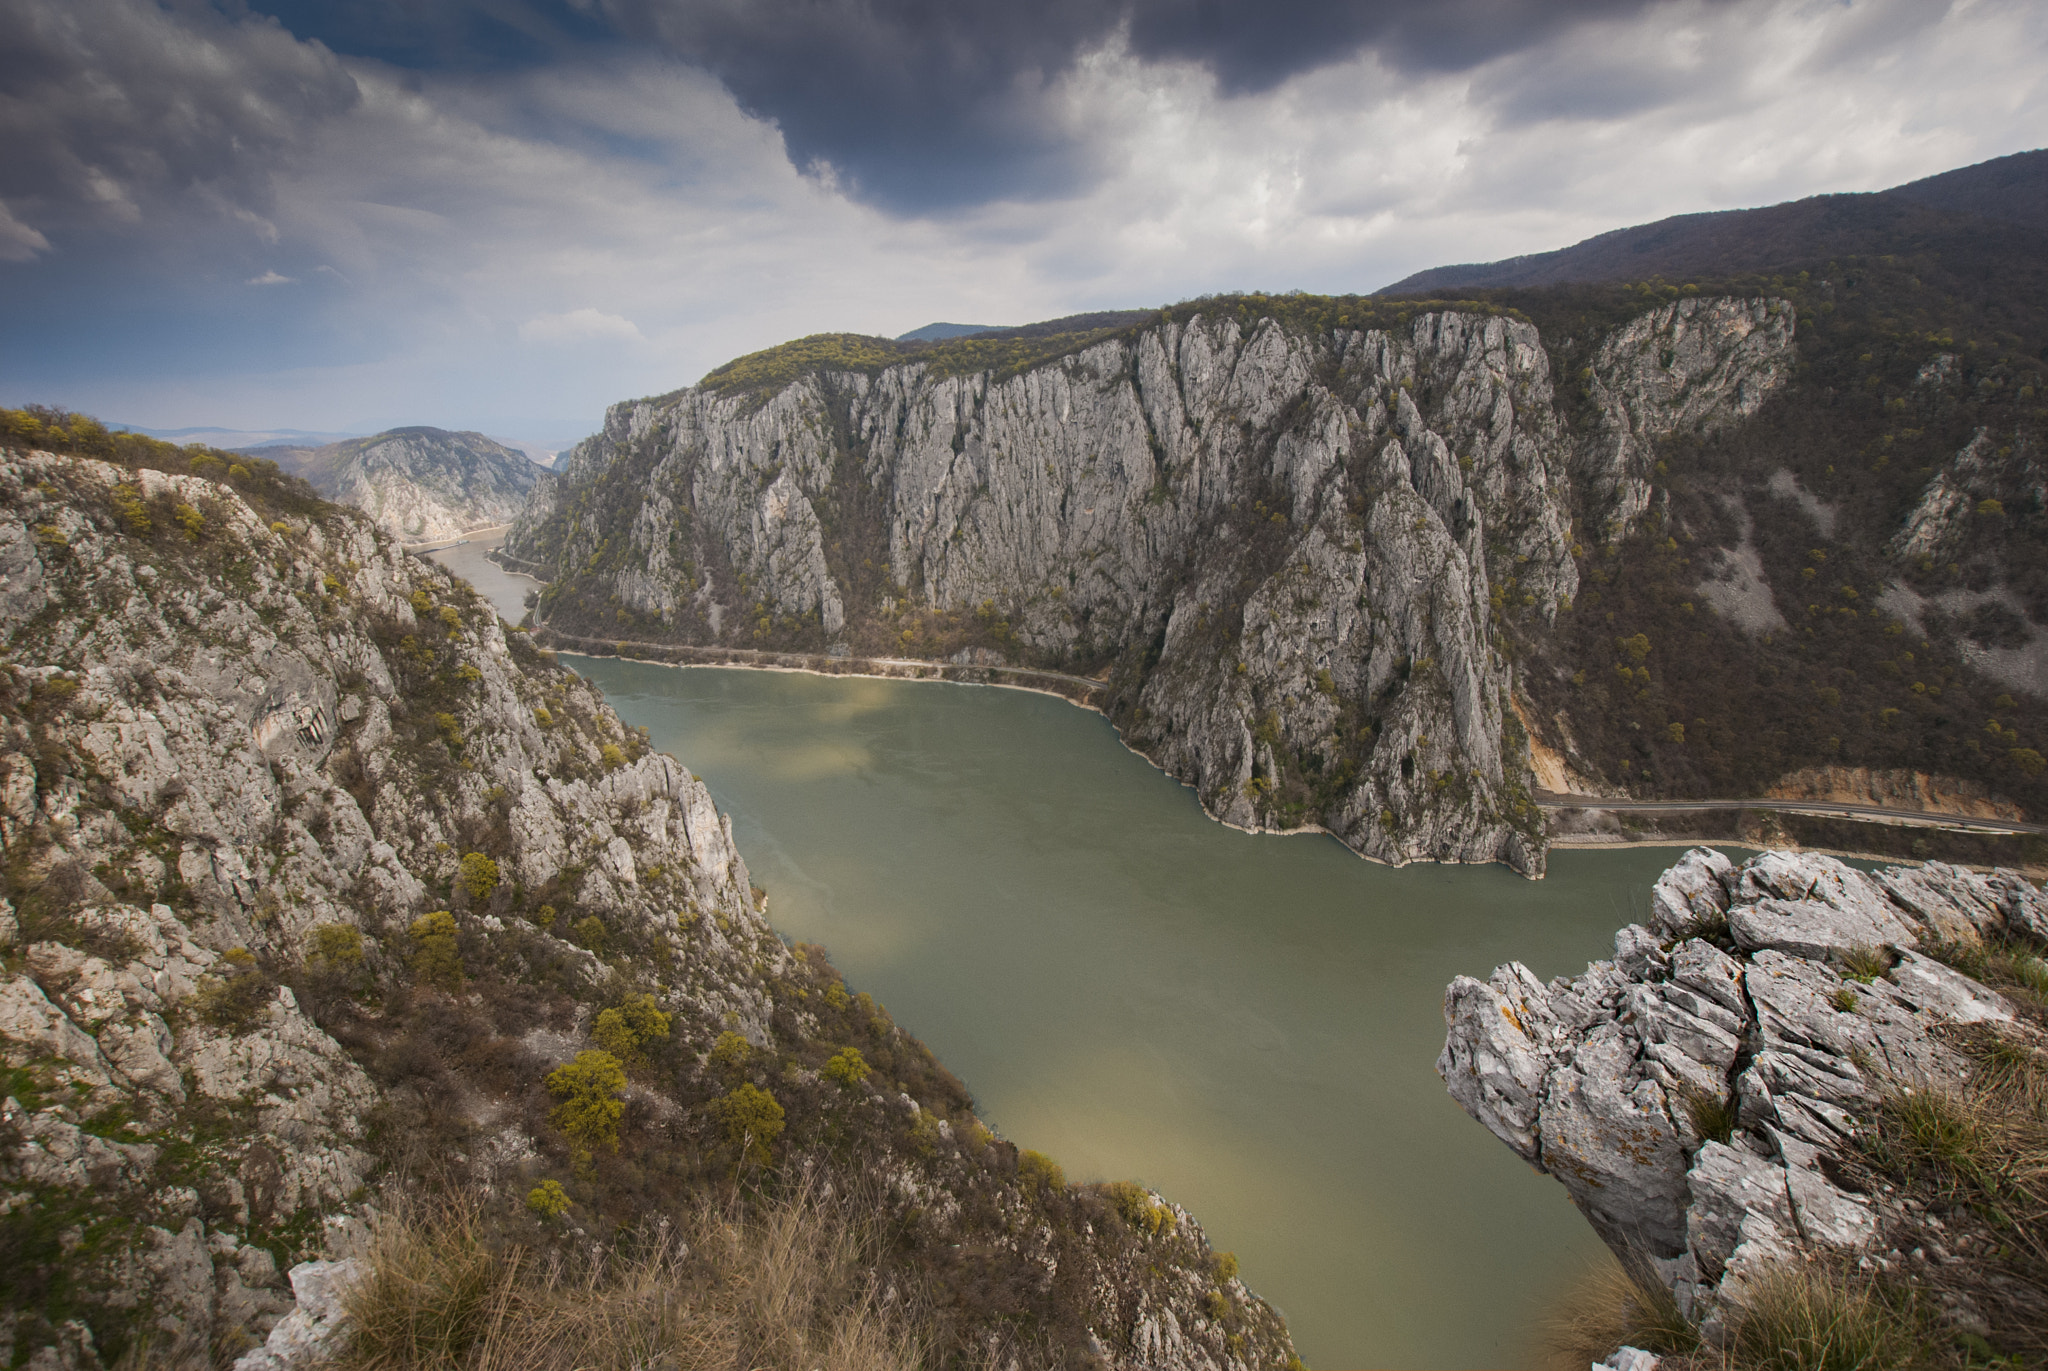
(1082, 694)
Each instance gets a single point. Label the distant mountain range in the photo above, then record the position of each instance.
(1994, 209)
(932, 333)
(420, 484)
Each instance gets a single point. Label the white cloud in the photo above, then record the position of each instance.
(18, 242)
(271, 278)
(467, 218)
(579, 326)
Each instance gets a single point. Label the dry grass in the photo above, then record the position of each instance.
(1610, 1307)
(1816, 1318)
(786, 1287)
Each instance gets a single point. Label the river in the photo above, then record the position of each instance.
(1248, 1024)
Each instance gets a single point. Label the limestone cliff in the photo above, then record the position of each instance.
(314, 872)
(420, 484)
(1712, 1095)
(1288, 546)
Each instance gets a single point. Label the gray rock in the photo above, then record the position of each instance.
(314, 1331)
(1622, 1055)
(1814, 928)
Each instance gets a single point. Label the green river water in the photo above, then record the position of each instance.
(1248, 1024)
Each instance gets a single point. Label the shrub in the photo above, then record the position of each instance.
(1225, 1264)
(337, 948)
(235, 993)
(589, 931)
(189, 519)
(436, 959)
(730, 1054)
(752, 1119)
(847, 1067)
(548, 1199)
(1036, 1171)
(589, 1089)
(612, 756)
(1137, 1207)
(625, 1030)
(479, 875)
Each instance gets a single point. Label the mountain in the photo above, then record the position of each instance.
(238, 439)
(1288, 532)
(1386, 566)
(334, 908)
(419, 484)
(1995, 210)
(932, 333)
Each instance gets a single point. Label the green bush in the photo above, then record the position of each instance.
(479, 875)
(612, 755)
(589, 1089)
(730, 1054)
(436, 959)
(847, 1067)
(589, 931)
(1036, 1171)
(753, 1121)
(1135, 1205)
(548, 1199)
(337, 948)
(625, 1030)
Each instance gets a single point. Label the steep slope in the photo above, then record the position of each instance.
(1989, 211)
(419, 484)
(1782, 1075)
(316, 874)
(1288, 532)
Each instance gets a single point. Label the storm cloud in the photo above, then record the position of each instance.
(504, 213)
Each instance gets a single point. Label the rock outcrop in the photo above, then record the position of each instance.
(315, 871)
(1288, 550)
(420, 484)
(1696, 1093)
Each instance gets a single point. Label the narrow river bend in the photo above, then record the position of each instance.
(1247, 1024)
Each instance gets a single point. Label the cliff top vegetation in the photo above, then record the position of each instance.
(1008, 352)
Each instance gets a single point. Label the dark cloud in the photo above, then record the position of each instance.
(112, 111)
(929, 105)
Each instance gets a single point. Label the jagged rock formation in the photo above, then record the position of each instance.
(1734, 1010)
(1287, 548)
(419, 484)
(314, 871)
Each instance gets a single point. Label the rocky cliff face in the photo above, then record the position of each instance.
(1704, 1094)
(1288, 549)
(314, 872)
(420, 484)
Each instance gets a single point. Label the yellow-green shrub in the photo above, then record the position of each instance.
(436, 959)
(847, 1067)
(479, 875)
(1036, 1171)
(753, 1121)
(589, 1089)
(625, 1031)
(548, 1199)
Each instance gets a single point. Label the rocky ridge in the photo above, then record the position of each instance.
(1703, 1093)
(315, 870)
(1288, 549)
(420, 484)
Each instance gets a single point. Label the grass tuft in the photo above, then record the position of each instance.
(785, 1287)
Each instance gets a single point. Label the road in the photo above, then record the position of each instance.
(1968, 823)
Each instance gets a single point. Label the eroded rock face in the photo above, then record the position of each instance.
(1289, 551)
(1732, 1002)
(239, 756)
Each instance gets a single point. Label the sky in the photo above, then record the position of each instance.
(347, 215)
